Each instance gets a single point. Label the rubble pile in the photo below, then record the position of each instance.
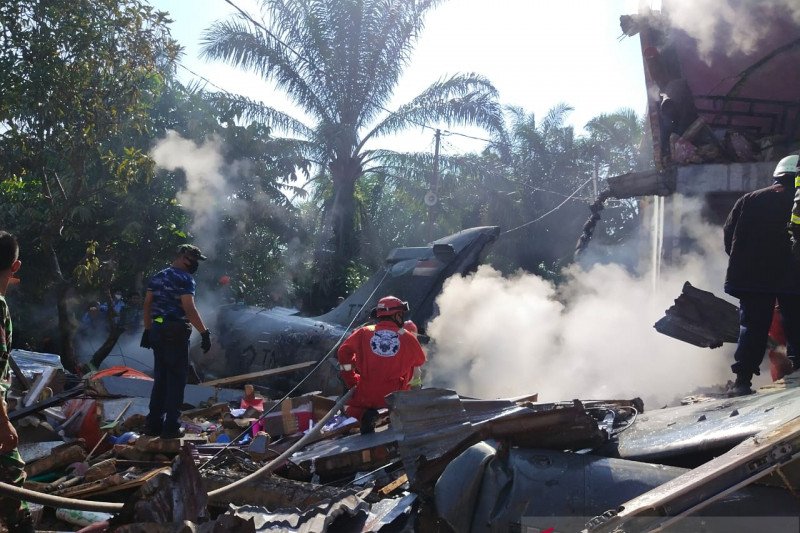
(436, 462)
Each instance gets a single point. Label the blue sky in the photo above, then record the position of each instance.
(537, 53)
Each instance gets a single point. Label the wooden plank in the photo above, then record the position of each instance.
(132, 484)
(140, 388)
(260, 374)
(744, 464)
(393, 486)
(86, 489)
(38, 386)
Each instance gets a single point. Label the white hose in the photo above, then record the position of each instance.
(278, 461)
(19, 493)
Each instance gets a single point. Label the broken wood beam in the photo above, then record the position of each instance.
(86, 489)
(41, 381)
(26, 383)
(241, 378)
(393, 486)
(101, 470)
(58, 459)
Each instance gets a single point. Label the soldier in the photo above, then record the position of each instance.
(14, 514)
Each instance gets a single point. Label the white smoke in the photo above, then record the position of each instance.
(590, 338)
(205, 183)
(731, 26)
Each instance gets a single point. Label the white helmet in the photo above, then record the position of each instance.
(787, 165)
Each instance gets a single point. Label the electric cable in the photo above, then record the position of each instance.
(308, 375)
(278, 461)
(585, 183)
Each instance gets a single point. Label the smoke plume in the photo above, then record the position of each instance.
(731, 26)
(205, 184)
(592, 337)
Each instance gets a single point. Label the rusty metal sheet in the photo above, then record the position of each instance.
(700, 318)
(341, 457)
(348, 511)
(433, 428)
(275, 492)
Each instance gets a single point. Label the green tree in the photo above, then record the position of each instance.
(531, 178)
(613, 145)
(264, 240)
(79, 77)
(339, 61)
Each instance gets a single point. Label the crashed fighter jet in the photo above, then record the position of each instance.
(256, 339)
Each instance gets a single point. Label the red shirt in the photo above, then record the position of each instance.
(383, 360)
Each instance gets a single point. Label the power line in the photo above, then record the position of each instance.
(314, 66)
(556, 208)
(209, 82)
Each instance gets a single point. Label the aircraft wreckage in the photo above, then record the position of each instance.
(255, 339)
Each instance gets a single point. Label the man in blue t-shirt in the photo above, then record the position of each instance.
(169, 314)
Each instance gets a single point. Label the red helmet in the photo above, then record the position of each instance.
(409, 326)
(389, 305)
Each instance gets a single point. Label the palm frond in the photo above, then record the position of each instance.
(241, 43)
(243, 107)
(465, 99)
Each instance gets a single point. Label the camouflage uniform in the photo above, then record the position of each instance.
(169, 336)
(11, 464)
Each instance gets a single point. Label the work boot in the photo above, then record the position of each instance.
(740, 387)
(171, 434)
(150, 431)
(368, 421)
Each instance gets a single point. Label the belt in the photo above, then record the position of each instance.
(162, 319)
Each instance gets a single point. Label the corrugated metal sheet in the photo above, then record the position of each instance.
(350, 510)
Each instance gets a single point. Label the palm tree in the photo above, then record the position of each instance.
(339, 61)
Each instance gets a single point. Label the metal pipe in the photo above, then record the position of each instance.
(50, 500)
(18, 493)
(278, 461)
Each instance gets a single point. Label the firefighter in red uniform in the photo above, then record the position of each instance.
(378, 360)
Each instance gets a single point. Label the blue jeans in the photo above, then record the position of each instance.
(170, 342)
(755, 317)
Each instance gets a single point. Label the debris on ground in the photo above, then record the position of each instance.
(436, 460)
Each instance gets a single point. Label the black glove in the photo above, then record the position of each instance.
(205, 342)
(796, 249)
(145, 342)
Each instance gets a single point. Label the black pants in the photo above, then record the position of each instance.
(755, 317)
(170, 342)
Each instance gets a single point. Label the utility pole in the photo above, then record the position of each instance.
(432, 196)
(594, 176)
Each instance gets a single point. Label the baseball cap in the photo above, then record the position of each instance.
(192, 251)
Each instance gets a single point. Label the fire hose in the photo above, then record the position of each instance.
(278, 461)
(49, 500)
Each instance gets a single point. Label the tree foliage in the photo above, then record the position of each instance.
(526, 184)
(340, 60)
